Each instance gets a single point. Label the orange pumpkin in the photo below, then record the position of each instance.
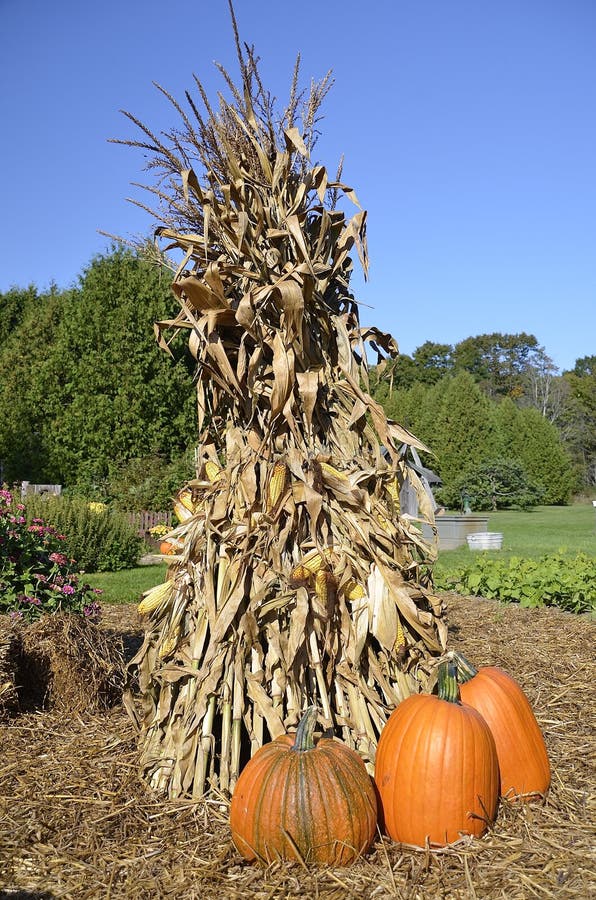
(166, 548)
(436, 768)
(523, 758)
(297, 799)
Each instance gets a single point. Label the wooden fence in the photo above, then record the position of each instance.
(143, 521)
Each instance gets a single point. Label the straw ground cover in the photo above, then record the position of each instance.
(79, 822)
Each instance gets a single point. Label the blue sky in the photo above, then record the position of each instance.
(468, 130)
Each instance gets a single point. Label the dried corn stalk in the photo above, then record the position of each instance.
(298, 581)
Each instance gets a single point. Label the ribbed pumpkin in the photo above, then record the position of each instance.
(436, 768)
(523, 758)
(297, 799)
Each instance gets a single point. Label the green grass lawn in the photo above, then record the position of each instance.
(540, 531)
(127, 585)
(545, 529)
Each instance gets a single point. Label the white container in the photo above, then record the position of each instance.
(485, 540)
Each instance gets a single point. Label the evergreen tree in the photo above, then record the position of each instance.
(525, 435)
(578, 420)
(29, 325)
(463, 427)
(84, 387)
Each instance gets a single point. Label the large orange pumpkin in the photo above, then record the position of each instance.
(436, 768)
(523, 758)
(297, 799)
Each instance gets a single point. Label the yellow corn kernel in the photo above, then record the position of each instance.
(185, 498)
(300, 573)
(353, 590)
(277, 484)
(400, 638)
(212, 471)
(313, 561)
(155, 596)
(183, 513)
(325, 586)
(393, 491)
(330, 470)
(169, 644)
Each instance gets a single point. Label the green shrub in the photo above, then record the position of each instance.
(149, 482)
(37, 575)
(553, 580)
(99, 537)
(493, 484)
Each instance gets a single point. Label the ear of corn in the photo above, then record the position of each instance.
(277, 484)
(300, 574)
(212, 471)
(393, 491)
(185, 498)
(170, 643)
(353, 591)
(183, 513)
(335, 473)
(400, 638)
(314, 560)
(156, 596)
(325, 585)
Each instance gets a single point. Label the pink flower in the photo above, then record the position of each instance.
(67, 589)
(58, 558)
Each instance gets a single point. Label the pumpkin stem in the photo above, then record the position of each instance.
(465, 670)
(448, 688)
(304, 733)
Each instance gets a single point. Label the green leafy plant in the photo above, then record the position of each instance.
(37, 575)
(552, 580)
(101, 539)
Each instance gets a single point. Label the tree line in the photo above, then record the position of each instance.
(495, 408)
(89, 401)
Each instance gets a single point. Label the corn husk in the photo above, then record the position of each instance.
(298, 581)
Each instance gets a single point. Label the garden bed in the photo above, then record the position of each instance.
(78, 823)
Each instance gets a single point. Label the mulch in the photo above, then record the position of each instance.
(77, 822)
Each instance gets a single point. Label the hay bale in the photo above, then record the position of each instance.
(68, 664)
(10, 657)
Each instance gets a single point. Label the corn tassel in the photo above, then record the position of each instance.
(277, 484)
(154, 597)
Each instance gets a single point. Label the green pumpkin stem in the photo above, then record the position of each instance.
(448, 688)
(304, 733)
(465, 670)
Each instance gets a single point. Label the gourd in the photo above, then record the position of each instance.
(299, 800)
(523, 758)
(166, 548)
(436, 768)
